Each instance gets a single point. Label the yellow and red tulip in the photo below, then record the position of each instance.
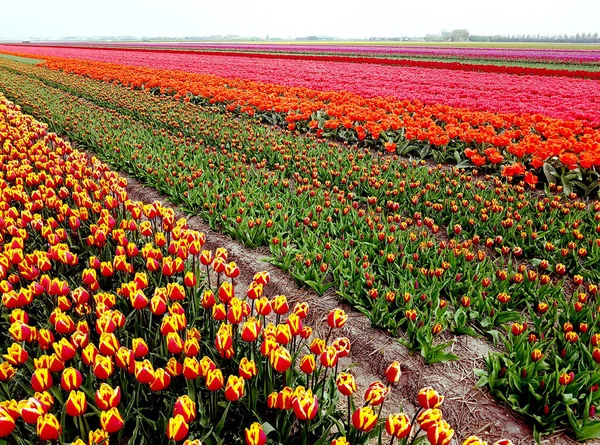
(214, 379)
(429, 417)
(429, 398)
(305, 405)
(280, 359)
(71, 379)
(247, 368)
(393, 372)
(255, 435)
(234, 389)
(111, 420)
(76, 404)
(337, 318)
(106, 397)
(7, 423)
(440, 433)
(346, 383)
(177, 428)
(48, 427)
(364, 419)
(398, 425)
(185, 407)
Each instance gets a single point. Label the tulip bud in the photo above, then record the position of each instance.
(393, 372)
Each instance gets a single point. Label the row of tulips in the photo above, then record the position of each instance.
(114, 326)
(541, 55)
(514, 144)
(399, 273)
(521, 68)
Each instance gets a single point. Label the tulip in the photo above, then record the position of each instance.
(280, 359)
(103, 367)
(340, 441)
(64, 350)
(536, 355)
(7, 423)
(364, 419)
(41, 380)
(161, 381)
(346, 383)
(191, 368)
(250, 330)
(98, 436)
(234, 389)
(337, 318)
(255, 290)
(108, 344)
(48, 427)
(247, 368)
(317, 346)
(280, 305)
(308, 364)
(174, 368)
(429, 398)
(566, 378)
(429, 417)
(107, 397)
(71, 379)
(214, 379)
(263, 306)
(329, 357)
(305, 405)
(31, 409)
(111, 420)
(255, 434)
(342, 346)
(7, 371)
(185, 407)
(139, 347)
(376, 393)
(440, 433)
(16, 355)
(76, 404)
(393, 372)
(191, 347)
(190, 280)
(144, 372)
(177, 428)
(398, 425)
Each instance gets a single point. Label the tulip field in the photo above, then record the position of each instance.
(438, 201)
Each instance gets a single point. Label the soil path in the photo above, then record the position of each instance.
(469, 410)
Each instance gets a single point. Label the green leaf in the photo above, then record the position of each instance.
(590, 431)
(441, 356)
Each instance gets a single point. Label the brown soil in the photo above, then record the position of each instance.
(469, 410)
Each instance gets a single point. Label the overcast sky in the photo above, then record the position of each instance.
(281, 18)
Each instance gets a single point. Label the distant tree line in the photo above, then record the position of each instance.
(462, 35)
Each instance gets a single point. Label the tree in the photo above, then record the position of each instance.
(459, 35)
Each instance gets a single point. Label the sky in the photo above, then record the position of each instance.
(345, 19)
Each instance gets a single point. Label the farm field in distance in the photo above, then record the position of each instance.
(442, 199)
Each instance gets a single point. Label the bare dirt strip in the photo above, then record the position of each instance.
(469, 410)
